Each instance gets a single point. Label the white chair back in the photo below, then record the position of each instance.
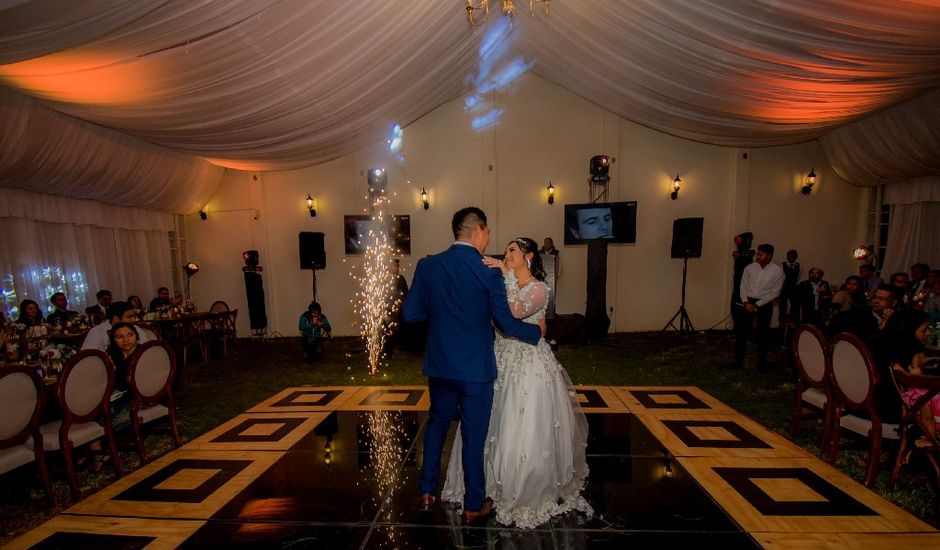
(153, 371)
(850, 371)
(812, 355)
(18, 400)
(86, 385)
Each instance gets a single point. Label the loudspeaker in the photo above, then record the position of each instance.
(312, 251)
(687, 237)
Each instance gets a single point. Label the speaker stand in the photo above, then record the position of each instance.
(685, 324)
(314, 270)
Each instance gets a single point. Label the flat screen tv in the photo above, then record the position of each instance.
(356, 231)
(614, 222)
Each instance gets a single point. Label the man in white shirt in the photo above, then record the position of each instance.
(760, 286)
(98, 337)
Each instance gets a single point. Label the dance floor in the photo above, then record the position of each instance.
(670, 466)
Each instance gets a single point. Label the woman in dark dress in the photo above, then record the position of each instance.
(30, 314)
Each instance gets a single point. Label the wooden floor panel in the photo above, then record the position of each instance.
(796, 495)
(853, 541)
(259, 432)
(388, 398)
(306, 399)
(598, 399)
(655, 400)
(68, 531)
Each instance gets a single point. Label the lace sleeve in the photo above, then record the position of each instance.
(526, 301)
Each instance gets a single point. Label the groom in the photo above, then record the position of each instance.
(458, 296)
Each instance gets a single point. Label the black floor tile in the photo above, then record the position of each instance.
(618, 540)
(420, 538)
(620, 434)
(216, 534)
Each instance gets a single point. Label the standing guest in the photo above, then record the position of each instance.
(314, 326)
(138, 305)
(850, 295)
(918, 279)
(903, 282)
(551, 262)
(760, 286)
(743, 256)
(812, 299)
(99, 311)
(62, 314)
(30, 314)
(869, 278)
(98, 338)
(787, 304)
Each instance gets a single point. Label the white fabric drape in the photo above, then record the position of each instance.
(97, 246)
(43, 150)
(278, 84)
(912, 236)
(913, 191)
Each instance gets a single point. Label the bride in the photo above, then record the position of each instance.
(535, 451)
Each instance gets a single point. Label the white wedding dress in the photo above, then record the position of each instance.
(534, 455)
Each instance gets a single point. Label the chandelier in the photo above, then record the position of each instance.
(508, 9)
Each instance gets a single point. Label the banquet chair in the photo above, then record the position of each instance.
(916, 436)
(84, 394)
(814, 370)
(228, 329)
(150, 375)
(21, 403)
(854, 379)
(218, 306)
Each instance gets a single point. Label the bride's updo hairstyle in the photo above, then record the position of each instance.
(527, 245)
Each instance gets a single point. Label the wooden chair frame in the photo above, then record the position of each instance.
(140, 400)
(69, 417)
(867, 405)
(31, 429)
(805, 381)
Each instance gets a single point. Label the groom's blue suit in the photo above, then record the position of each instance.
(458, 296)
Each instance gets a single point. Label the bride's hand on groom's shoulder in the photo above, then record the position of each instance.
(493, 262)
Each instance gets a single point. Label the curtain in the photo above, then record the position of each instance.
(98, 246)
(914, 226)
(282, 84)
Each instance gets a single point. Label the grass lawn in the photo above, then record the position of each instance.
(211, 394)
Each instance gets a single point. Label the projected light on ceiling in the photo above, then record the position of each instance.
(395, 140)
(495, 71)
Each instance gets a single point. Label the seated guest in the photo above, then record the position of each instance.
(313, 326)
(813, 297)
(908, 353)
(918, 279)
(30, 314)
(931, 301)
(99, 311)
(97, 337)
(850, 295)
(903, 282)
(62, 314)
(870, 280)
(867, 322)
(123, 339)
(163, 300)
(138, 305)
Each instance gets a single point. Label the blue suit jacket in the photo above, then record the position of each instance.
(457, 295)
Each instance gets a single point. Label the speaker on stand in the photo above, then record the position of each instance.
(312, 254)
(686, 243)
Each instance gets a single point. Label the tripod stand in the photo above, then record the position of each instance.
(685, 324)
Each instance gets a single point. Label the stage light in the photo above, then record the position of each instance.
(600, 167)
(377, 178)
(191, 268)
(863, 251)
(676, 183)
(551, 193)
(809, 183)
(310, 206)
(424, 199)
(203, 215)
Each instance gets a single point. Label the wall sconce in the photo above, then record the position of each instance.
(424, 198)
(203, 215)
(551, 193)
(310, 206)
(676, 183)
(667, 470)
(809, 183)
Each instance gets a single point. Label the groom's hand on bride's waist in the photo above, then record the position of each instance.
(542, 325)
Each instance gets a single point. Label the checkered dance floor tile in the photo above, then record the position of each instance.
(669, 466)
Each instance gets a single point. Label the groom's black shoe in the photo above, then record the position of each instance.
(474, 518)
(426, 502)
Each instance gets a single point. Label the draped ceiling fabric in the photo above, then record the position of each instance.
(281, 84)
